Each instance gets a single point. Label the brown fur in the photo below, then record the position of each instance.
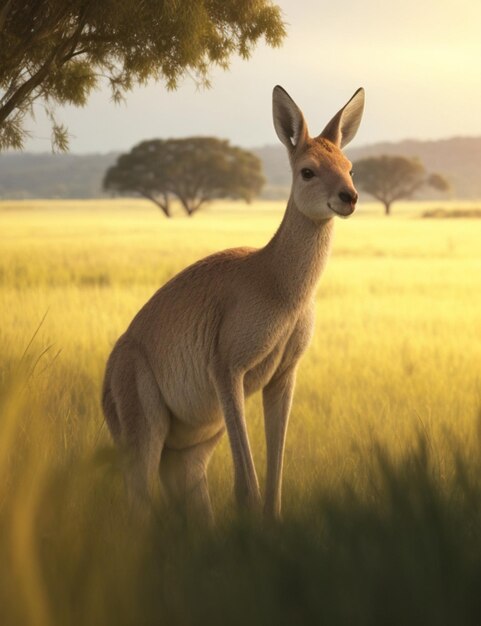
(231, 324)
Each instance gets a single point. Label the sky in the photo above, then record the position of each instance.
(418, 60)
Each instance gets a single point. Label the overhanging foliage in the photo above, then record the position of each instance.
(57, 51)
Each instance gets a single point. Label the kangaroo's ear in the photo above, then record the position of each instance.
(343, 126)
(289, 122)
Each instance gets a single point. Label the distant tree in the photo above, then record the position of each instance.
(194, 170)
(438, 182)
(56, 51)
(141, 171)
(391, 178)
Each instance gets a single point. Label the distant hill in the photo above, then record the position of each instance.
(24, 175)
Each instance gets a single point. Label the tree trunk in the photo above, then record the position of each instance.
(193, 208)
(185, 203)
(164, 207)
(190, 209)
(387, 208)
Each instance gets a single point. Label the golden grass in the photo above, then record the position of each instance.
(396, 352)
(398, 324)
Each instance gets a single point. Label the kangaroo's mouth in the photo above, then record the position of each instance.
(349, 211)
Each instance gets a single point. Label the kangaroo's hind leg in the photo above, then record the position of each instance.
(183, 473)
(142, 425)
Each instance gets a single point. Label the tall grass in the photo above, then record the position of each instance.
(382, 489)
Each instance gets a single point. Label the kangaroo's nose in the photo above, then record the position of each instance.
(348, 197)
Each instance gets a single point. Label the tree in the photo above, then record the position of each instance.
(57, 51)
(390, 178)
(194, 170)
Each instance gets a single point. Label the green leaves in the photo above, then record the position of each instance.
(52, 50)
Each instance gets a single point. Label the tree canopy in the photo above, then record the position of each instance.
(194, 170)
(57, 51)
(391, 178)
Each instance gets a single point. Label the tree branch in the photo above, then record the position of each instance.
(4, 12)
(59, 54)
(75, 38)
(26, 88)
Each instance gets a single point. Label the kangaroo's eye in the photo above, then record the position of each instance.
(351, 173)
(306, 173)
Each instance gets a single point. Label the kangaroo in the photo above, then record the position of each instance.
(231, 324)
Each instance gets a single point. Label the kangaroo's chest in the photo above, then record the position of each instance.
(261, 373)
(284, 350)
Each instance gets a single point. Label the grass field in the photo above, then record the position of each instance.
(382, 490)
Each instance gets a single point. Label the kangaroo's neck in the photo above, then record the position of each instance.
(297, 253)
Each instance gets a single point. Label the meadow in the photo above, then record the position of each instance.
(382, 487)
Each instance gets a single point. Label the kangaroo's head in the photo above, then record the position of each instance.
(321, 175)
